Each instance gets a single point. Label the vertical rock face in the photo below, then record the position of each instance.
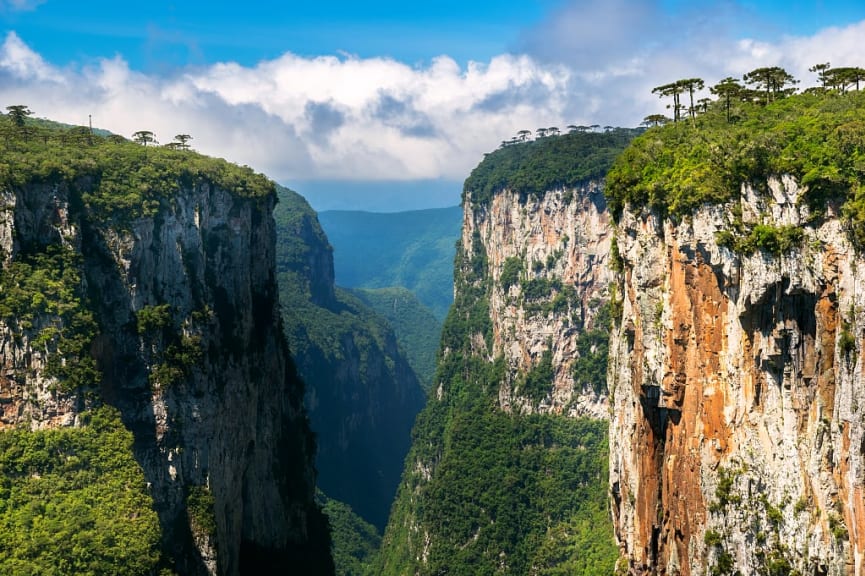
(505, 474)
(189, 347)
(737, 437)
(558, 244)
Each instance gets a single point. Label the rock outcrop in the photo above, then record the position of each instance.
(509, 443)
(547, 266)
(737, 438)
(180, 328)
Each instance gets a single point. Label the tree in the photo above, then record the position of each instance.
(842, 79)
(18, 113)
(727, 89)
(820, 69)
(655, 120)
(772, 80)
(79, 135)
(691, 85)
(674, 90)
(552, 131)
(182, 141)
(524, 135)
(571, 128)
(144, 137)
(541, 132)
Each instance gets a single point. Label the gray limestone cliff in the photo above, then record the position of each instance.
(547, 262)
(182, 332)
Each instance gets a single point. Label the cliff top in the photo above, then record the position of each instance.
(547, 163)
(130, 178)
(817, 138)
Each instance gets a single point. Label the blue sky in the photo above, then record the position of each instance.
(159, 34)
(154, 35)
(339, 99)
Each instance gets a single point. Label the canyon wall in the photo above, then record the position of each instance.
(361, 393)
(507, 472)
(559, 244)
(168, 310)
(737, 437)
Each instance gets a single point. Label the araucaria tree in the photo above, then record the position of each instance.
(18, 113)
(842, 79)
(774, 81)
(820, 69)
(727, 90)
(675, 90)
(654, 120)
(182, 141)
(144, 137)
(691, 85)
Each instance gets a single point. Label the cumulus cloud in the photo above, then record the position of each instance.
(333, 118)
(618, 50)
(305, 118)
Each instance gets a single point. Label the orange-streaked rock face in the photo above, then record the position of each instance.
(737, 395)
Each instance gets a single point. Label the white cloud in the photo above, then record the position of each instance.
(352, 118)
(306, 118)
(618, 50)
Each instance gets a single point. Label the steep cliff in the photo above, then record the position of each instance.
(737, 437)
(362, 395)
(505, 474)
(144, 279)
(548, 273)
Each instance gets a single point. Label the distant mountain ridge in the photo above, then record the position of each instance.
(412, 249)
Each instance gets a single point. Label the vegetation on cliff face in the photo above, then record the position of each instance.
(817, 137)
(74, 501)
(417, 330)
(355, 541)
(486, 492)
(42, 295)
(547, 163)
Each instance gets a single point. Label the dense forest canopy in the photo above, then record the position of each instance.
(817, 136)
(547, 163)
(123, 178)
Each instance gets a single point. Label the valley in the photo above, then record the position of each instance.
(628, 351)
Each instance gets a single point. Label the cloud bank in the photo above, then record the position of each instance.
(351, 118)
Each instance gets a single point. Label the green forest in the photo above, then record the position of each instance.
(414, 250)
(363, 393)
(416, 328)
(74, 501)
(817, 136)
